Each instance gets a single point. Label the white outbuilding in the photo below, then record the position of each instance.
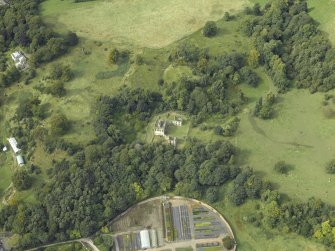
(13, 143)
(19, 59)
(16, 56)
(20, 160)
(145, 239)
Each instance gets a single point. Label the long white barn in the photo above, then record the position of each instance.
(13, 143)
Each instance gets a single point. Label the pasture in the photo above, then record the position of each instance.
(153, 24)
(323, 12)
(299, 134)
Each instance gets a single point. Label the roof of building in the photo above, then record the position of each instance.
(160, 124)
(145, 239)
(16, 55)
(13, 143)
(20, 160)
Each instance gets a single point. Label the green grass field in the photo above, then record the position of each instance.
(152, 24)
(299, 133)
(323, 12)
(6, 162)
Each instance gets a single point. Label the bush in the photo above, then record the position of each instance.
(227, 16)
(71, 39)
(56, 89)
(212, 195)
(228, 242)
(116, 56)
(281, 167)
(330, 167)
(139, 60)
(22, 180)
(210, 29)
(59, 125)
(61, 72)
(218, 130)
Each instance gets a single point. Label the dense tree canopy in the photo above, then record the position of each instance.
(291, 47)
(21, 25)
(114, 171)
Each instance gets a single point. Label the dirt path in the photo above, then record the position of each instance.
(261, 132)
(82, 241)
(11, 190)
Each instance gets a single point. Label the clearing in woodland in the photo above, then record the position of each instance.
(142, 23)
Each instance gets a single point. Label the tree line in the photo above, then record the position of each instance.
(291, 47)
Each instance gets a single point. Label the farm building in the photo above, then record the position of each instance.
(177, 121)
(171, 140)
(4, 149)
(13, 143)
(19, 59)
(160, 128)
(153, 238)
(145, 239)
(20, 160)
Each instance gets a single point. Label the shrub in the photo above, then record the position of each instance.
(211, 195)
(56, 89)
(281, 167)
(227, 17)
(61, 72)
(210, 29)
(330, 167)
(71, 39)
(228, 242)
(59, 125)
(21, 180)
(218, 130)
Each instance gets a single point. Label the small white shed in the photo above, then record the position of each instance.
(20, 160)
